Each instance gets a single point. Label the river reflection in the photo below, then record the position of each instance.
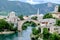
(24, 35)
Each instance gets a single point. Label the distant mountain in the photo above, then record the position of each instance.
(46, 7)
(22, 8)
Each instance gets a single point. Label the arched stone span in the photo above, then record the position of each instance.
(20, 23)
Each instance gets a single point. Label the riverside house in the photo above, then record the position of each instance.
(47, 22)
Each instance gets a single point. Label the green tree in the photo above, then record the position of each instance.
(25, 24)
(48, 15)
(54, 36)
(24, 27)
(28, 23)
(21, 17)
(35, 31)
(34, 18)
(51, 37)
(58, 22)
(4, 25)
(59, 8)
(45, 33)
(33, 24)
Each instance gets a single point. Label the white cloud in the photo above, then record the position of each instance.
(38, 1)
(32, 2)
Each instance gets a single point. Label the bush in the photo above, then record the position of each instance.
(59, 8)
(5, 25)
(46, 33)
(48, 15)
(35, 31)
(34, 18)
(33, 24)
(54, 36)
(58, 22)
(21, 17)
(28, 23)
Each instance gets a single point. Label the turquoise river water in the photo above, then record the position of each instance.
(24, 35)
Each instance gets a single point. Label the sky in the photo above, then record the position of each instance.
(38, 1)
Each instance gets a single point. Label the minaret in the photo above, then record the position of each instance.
(38, 14)
(56, 8)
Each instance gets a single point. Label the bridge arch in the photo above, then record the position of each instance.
(20, 23)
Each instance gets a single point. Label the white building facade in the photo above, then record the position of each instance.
(12, 17)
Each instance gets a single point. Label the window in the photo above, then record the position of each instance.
(44, 22)
(55, 28)
(50, 23)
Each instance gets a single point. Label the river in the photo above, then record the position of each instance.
(24, 35)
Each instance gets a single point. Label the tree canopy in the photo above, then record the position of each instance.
(54, 36)
(45, 33)
(59, 8)
(58, 22)
(21, 17)
(35, 31)
(28, 23)
(34, 18)
(4, 25)
(48, 15)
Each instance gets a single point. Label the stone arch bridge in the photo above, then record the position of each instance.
(20, 23)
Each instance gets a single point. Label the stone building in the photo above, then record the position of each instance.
(12, 18)
(47, 22)
(50, 24)
(56, 14)
(51, 29)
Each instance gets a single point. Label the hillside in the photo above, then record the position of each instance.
(46, 7)
(22, 8)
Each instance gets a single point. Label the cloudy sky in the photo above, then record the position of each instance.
(38, 1)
